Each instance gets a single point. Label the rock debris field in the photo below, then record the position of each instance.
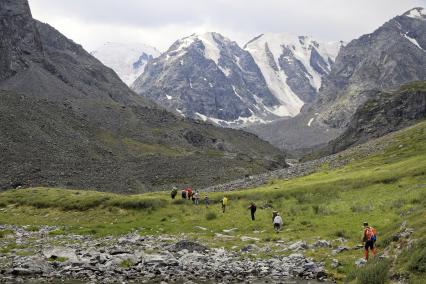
(43, 256)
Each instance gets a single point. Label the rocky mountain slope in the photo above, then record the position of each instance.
(381, 114)
(209, 77)
(392, 55)
(67, 120)
(127, 60)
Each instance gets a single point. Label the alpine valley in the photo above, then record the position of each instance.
(131, 165)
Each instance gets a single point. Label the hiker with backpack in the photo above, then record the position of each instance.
(189, 193)
(224, 203)
(369, 238)
(173, 193)
(206, 201)
(196, 197)
(252, 208)
(278, 222)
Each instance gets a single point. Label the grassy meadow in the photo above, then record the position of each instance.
(385, 189)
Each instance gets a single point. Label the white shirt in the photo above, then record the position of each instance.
(278, 220)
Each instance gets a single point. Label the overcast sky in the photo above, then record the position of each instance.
(160, 22)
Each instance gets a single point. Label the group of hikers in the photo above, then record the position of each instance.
(188, 193)
(369, 233)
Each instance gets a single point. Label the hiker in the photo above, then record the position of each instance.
(224, 203)
(369, 238)
(252, 208)
(189, 193)
(173, 193)
(274, 214)
(184, 193)
(278, 222)
(196, 197)
(206, 201)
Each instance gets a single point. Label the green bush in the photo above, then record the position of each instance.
(126, 263)
(375, 272)
(211, 216)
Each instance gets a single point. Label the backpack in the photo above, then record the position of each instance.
(370, 234)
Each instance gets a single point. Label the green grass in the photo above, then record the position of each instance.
(126, 263)
(5, 233)
(385, 189)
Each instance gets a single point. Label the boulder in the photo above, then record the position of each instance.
(189, 246)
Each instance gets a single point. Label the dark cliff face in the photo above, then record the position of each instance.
(67, 120)
(384, 113)
(19, 40)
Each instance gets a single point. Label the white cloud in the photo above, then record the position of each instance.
(161, 22)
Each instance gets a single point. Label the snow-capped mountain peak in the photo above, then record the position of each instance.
(293, 66)
(416, 13)
(209, 77)
(128, 60)
(209, 40)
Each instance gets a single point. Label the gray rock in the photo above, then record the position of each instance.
(321, 244)
(340, 249)
(246, 239)
(360, 262)
(189, 246)
(335, 263)
(298, 246)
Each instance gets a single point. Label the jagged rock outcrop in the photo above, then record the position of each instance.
(20, 43)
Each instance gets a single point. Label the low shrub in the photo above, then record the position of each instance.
(375, 272)
(179, 201)
(126, 263)
(211, 216)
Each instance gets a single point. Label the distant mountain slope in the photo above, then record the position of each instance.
(209, 77)
(293, 66)
(384, 60)
(392, 55)
(67, 120)
(128, 60)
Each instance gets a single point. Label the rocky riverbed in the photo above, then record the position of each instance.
(45, 255)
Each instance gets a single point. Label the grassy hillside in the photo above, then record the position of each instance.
(386, 189)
